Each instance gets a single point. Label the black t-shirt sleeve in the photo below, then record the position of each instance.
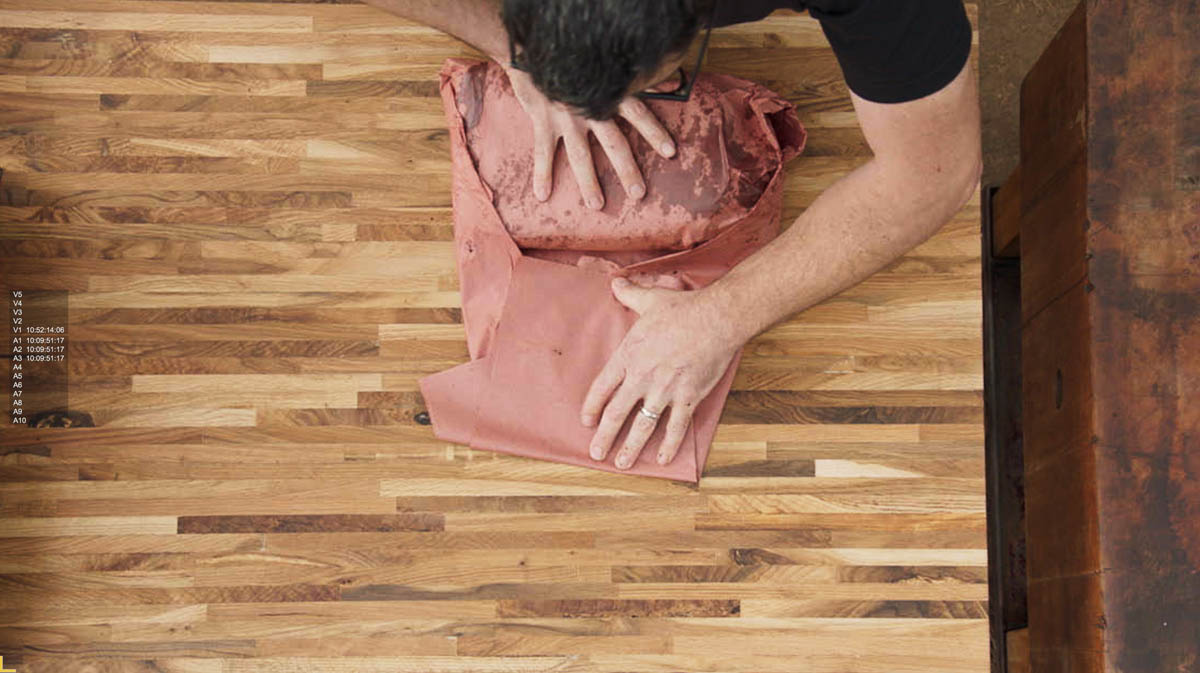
(892, 51)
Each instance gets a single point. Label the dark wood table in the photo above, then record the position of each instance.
(1104, 211)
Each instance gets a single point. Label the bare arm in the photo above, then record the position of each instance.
(926, 165)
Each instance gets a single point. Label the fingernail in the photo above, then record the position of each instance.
(662, 458)
(540, 193)
(668, 149)
(596, 453)
(622, 461)
(637, 191)
(594, 203)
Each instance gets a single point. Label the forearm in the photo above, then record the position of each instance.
(476, 22)
(856, 227)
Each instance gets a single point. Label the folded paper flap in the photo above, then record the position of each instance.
(779, 115)
(555, 351)
(789, 131)
(484, 252)
(449, 78)
(547, 354)
(454, 393)
(726, 152)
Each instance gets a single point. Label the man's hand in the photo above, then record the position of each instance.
(672, 356)
(552, 121)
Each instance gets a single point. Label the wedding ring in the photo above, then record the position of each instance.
(648, 414)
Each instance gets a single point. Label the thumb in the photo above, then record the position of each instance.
(633, 296)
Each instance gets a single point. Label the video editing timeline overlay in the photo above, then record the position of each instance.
(35, 356)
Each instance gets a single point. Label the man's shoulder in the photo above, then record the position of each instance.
(890, 51)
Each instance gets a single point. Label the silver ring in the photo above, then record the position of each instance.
(649, 414)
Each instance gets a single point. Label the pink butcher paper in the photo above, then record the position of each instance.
(540, 317)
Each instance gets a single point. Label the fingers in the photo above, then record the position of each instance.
(579, 154)
(616, 145)
(602, 388)
(545, 142)
(639, 432)
(642, 119)
(614, 417)
(677, 425)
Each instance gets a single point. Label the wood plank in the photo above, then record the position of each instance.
(1006, 217)
(1110, 314)
(1143, 265)
(1017, 645)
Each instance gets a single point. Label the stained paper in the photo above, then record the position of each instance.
(540, 317)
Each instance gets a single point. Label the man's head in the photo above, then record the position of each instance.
(590, 54)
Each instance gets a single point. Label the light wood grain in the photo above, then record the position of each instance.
(249, 203)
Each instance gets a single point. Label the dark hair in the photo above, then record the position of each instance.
(585, 53)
